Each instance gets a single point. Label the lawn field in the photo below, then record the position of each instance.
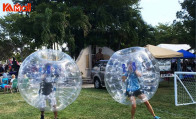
(98, 104)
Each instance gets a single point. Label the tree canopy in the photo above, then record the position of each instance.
(79, 23)
(182, 31)
(187, 21)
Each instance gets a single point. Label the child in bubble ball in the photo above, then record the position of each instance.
(47, 89)
(133, 88)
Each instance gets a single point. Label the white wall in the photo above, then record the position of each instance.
(81, 61)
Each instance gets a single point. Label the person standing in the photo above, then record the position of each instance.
(133, 89)
(47, 90)
(99, 55)
(1, 70)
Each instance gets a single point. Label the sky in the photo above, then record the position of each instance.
(1, 6)
(159, 11)
(153, 11)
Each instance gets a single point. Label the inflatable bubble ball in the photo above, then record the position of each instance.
(49, 80)
(132, 72)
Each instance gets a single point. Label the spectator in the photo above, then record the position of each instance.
(99, 55)
(174, 66)
(6, 67)
(133, 89)
(184, 65)
(1, 69)
(14, 64)
(47, 90)
(14, 85)
(9, 86)
(5, 74)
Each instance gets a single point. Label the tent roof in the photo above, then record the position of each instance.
(159, 52)
(186, 54)
(175, 47)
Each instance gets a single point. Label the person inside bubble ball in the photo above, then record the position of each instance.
(133, 88)
(48, 89)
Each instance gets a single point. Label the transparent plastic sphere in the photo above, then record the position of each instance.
(132, 72)
(49, 80)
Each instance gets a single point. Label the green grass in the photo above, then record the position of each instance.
(98, 104)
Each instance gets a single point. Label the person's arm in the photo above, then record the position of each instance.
(11, 82)
(138, 73)
(124, 78)
(124, 73)
(135, 70)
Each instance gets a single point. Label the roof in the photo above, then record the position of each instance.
(186, 54)
(159, 52)
(175, 47)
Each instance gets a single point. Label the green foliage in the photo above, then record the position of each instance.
(11, 35)
(182, 31)
(49, 24)
(5, 49)
(81, 23)
(187, 20)
(164, 33)
(171, 34)
(46, 24)
(114, 24)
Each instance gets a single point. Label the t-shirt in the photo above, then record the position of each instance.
(12, 80)
(46, 86)
(132, 82)
(4, 75)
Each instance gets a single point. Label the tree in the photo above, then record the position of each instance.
(12, 38)
(187, 21)
(114, 24)
(81, 23)
(53, 22)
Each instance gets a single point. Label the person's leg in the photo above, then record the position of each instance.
(55, 114)
(42, 105)
(42, 115)
(42, 112)
(147, 103)
(10, 89)
(133, 108)
(5, 88)
(52, 101)
(149, 107)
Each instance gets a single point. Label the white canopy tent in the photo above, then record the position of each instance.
(175, 47)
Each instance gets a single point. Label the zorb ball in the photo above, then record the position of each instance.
(129, 71)
(49, 80)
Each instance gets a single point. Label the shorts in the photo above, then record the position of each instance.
(50, 98)
(135, 93)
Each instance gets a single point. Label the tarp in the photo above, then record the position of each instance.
(159, 52)
(175, 47)
(186, 54)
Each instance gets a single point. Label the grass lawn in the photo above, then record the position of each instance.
(98, 104)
